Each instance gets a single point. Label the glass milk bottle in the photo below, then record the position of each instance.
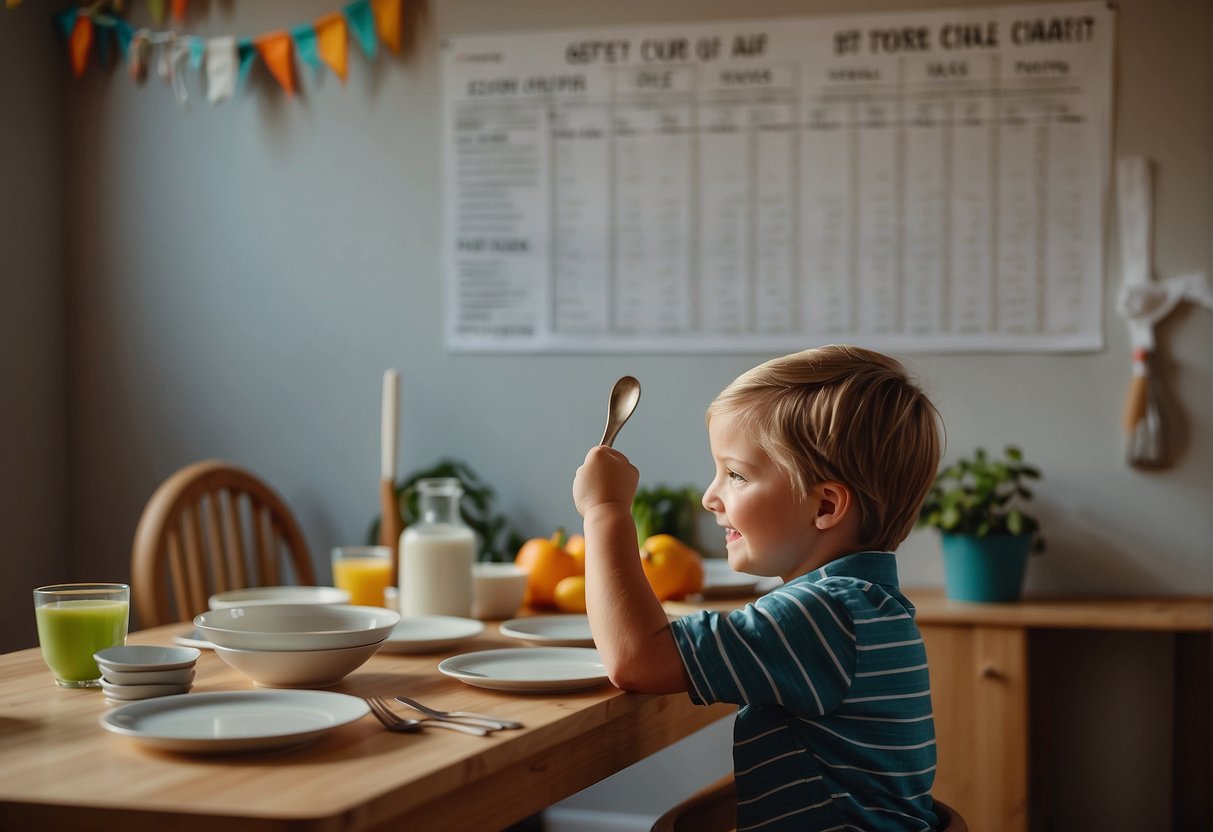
(436, 554)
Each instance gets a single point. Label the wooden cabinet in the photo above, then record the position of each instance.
(982, 657)
(979, 691)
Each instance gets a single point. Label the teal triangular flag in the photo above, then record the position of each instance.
(123, 34)
(101, 42)
(305, 44)
(66, 20)
(197, 53)
(362, 21)
(248, 54)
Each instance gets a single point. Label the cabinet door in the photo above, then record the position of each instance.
(979, 692)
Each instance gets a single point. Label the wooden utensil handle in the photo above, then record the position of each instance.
(1135, 402)
(390, 522)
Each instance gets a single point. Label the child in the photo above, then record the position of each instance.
(822, 460)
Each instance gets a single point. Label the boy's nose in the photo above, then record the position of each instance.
(709, 500)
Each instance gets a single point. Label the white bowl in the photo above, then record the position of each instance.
(131, 693)
(254, 596)
(298, 668)
(142, 657)
(296, 626)
(180, 676)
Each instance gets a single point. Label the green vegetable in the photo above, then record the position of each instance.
(665, 510)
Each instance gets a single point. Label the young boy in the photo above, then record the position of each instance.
(822, 460)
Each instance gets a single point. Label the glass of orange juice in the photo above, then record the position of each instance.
(364, 572)
(74, 622)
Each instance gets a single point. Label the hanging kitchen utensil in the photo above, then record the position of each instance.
(1143, 303)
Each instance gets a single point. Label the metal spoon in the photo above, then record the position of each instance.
(624, 396)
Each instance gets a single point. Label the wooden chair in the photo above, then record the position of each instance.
(711, 809)
(714, 809)
(209, 528)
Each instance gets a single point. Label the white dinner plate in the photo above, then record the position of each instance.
(551, 630)
(529, 669)
(720, 581)
(430, 633)
(225, 722)
(193, 638)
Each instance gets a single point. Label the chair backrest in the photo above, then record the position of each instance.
(949, 819)
(714, 809)
(208, 528)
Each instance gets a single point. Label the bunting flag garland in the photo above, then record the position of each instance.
(226, 60)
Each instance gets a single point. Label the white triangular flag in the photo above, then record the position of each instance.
(222, 65)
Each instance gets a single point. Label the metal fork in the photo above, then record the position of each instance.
(411, 726)
(466, 716)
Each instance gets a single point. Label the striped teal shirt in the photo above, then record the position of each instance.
(835, 728)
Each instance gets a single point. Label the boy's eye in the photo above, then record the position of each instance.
(735, 477)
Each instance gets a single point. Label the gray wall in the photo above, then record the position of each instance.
(238, 277)
(34, 513)
(241, 275)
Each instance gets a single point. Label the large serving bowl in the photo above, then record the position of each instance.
(281, 627)
(256, 596)
(298, 668)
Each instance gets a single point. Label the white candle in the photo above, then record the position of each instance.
(387, 437)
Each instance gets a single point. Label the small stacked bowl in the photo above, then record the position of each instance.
(257, 596)
(131, 672)
(296, 645)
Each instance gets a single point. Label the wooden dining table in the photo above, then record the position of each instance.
(59, 768)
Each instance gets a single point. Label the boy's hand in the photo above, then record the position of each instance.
(605, 477)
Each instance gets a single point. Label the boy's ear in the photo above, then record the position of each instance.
(834, 502)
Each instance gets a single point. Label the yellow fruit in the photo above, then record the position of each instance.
(674, 569)
(546, 565)
(570, 594)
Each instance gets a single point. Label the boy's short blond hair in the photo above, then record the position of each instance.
(846, 414)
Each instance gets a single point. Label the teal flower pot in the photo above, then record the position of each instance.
(984, 568)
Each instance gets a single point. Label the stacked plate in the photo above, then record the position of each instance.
(296, 645)
(142, 671)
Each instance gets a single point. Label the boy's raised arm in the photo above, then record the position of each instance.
(629, 625)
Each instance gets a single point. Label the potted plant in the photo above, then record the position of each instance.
(984, 533)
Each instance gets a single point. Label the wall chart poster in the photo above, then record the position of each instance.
(929, 181)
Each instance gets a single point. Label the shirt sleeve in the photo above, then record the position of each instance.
(794, 647)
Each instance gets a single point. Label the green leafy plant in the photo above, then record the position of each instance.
(665, 510)
(980, 497)
(498, 542)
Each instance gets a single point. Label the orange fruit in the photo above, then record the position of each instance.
(673, 568)
(569, 594)
(546, 565)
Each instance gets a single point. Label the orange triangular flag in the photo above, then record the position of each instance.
(179, 9)
(81, 43)
(275, 50)
(333, 42)
(387, 22)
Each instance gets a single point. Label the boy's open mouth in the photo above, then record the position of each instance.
(730, 535)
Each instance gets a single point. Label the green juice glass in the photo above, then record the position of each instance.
(74, 622)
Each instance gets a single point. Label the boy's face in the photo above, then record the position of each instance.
(768, 529)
